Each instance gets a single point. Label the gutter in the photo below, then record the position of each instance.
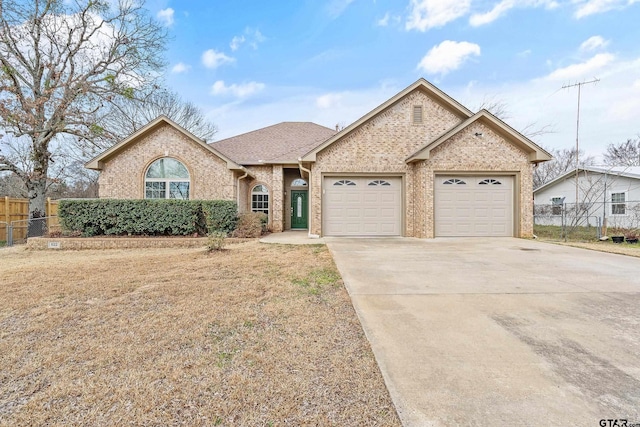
(308, 171)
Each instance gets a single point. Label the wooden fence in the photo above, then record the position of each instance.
(18, 210)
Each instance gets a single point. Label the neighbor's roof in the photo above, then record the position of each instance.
(98, 161)
(626, 171)
(281, 143)
(536, 153)
(420, 84)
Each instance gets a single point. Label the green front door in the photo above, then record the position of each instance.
(299, 209)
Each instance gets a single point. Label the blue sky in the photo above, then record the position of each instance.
(250, 64)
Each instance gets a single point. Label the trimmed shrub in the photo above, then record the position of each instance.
(250, 225)
(220, 215)
(145, 217)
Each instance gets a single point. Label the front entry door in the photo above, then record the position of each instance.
(299, 209)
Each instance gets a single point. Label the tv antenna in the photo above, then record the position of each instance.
(579, 86)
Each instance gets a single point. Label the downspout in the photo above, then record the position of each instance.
(246, 173)
(302, 168)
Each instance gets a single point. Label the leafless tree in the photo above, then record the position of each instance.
(624, 153)
(61, 62)
(127, 115)
(499, 108)
(563, 161)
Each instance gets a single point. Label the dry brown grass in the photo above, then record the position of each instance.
(255, 335)
(606, 246)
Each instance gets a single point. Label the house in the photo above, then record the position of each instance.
(605, 195)
(419, 165)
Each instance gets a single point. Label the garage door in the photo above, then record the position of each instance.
(474, 206)
(356, 206)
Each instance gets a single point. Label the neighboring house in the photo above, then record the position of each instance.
(611, 193)
(419, 165)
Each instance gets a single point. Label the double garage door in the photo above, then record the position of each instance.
(464, 206)
(474, 206)
(362, 206)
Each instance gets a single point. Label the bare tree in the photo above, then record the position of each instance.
(499, 108)
(623, 154)
(60, 63)
(563, 161)
(127, 115)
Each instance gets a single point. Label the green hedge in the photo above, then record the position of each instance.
(147, 217)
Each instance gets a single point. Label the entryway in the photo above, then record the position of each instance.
(299, 209)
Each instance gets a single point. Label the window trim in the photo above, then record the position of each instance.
(166, 181)
(266, 193)
(624, 203)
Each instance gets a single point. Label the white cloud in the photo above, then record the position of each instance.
(335, 8)
(593, 43)
(329, 100)
(213, 59)
(583, 69)
(180, 67)
(426, 14)
(636, 84)
(238, 90)
(236, 42)
(524, 53)
(592, 7)
(384, 21)
(448, 56)
(253, 37)
(478, 19)
(166, 16)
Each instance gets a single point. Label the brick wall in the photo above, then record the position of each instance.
(466, 152)
(382, 146)
(122, 176)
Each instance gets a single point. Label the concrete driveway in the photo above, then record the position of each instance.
(504, 332)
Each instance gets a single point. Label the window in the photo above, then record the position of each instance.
(166, 178)
(417, 114)
(556, 205)
(260, 199)
(299, 183)
(490, 182)
(379, 182)
(454, 181)
(618, 205)
(344, 182)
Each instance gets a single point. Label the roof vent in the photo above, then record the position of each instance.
(417, 114)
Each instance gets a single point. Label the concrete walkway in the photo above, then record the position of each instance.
(489, 332)
(292, 237)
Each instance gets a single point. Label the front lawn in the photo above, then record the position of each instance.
(256, 335)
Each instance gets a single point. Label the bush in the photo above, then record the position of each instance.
(216, 241)
(250, 225)
(220, 215)
(146, 217)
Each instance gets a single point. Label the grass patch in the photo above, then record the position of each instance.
(574, 234)
(183, 337)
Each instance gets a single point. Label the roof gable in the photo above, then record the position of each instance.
(422, 85)
(536, 153)
(98, 161)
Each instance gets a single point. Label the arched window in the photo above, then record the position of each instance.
(166, 178)
(260, 199)
(299, 182)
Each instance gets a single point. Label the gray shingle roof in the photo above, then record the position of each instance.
(281, 143)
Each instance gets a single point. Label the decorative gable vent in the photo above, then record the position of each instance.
(417, 114)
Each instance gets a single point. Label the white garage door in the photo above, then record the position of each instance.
(356, 206)
(474, 206)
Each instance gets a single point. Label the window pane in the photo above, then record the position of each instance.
(167, 168)
(260, 189)
(155, 190)
(179, 190)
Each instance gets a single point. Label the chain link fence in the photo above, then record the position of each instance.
(587, 221)
(19, 231)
